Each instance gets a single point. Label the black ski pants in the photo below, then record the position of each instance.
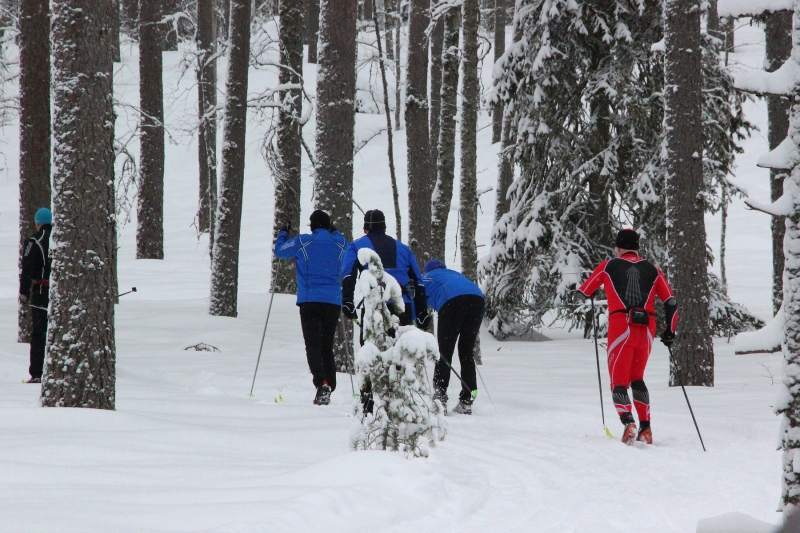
(459, 320)
(319, 321)
(38, 334)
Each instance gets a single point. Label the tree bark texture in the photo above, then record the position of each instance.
(336, 90)
(34, 127)
(505, 172)
(598, 221)
(289, 137)
(223, 15)
(686, 234)
(778, 33)
(170, 7)
(115, 30)
(225, 261)
(130, 18)
(470, 101)
(499, 50)
(420, 174)
(446, 145)
(207, 116)
(80, 366)
(437, 41)
(312, 30)
(150, 206)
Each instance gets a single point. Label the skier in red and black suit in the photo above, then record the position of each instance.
(631, 284)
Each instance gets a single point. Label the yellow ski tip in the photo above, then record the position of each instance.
(608, 434)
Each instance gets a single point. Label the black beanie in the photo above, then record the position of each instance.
(374, 220)
(627, 239)
(320, 219)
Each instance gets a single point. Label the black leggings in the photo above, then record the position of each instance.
(38, 338)
(459, 319)
(319, 321)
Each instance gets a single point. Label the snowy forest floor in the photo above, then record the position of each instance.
(188, 450)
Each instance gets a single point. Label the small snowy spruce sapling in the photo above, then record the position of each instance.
(405, 416)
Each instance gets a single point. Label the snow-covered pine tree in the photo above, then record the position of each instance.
(150, 207)
(405, 416)
(225, 260)
(81, 352)
(34, 127)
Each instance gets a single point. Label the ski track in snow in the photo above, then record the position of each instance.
(188, 450)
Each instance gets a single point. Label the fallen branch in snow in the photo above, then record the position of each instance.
(203, 347)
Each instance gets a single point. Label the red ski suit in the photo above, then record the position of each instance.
(630, 282)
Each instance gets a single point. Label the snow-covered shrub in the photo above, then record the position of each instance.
(728, 318)
(405, 416)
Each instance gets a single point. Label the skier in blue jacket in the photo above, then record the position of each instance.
(460, 305)
(318, 257)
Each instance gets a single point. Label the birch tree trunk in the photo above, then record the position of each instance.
(446, 145)
(289, 141)
(778, 33)
(80, 366)
(34, 128)
(686, 234)
(207, 116)
(499, 50)
(420, 180)
(225, 260)
(150, 206)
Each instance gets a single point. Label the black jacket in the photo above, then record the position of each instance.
(35, 276)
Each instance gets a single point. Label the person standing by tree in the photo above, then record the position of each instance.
(34, 288)
(631, 284)
(317, 257)
(460, 305)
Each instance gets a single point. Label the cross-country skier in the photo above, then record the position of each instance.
(631, 284)
(318, 257)
(399, 261)
(34, 288)
(460, 305)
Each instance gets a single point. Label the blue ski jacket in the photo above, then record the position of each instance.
(443, 284)
(397, 258)
(318, 257)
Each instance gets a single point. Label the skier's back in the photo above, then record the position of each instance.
(631, 284)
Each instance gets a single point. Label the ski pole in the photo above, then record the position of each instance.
(264, 334)
(599, 380)
(347, 353)
(459, 377)
(680, 381)
(133, 289)
(484, 388)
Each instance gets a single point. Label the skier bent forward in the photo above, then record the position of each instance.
(631, 284)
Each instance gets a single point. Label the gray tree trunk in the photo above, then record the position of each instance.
(207, 116)
(224, 18)
(130, 18)
(336, 91)
(80, 366)
(225, 260)
(505, 173)
(170, 7)
(286, 176)
(312, 30)
(437, 40)
(779, 47)
(470, 102)
(499, 50)
(420, 174)
(150, 206)
(34, 128)
(115, 29)
(686, 238)
(446, 145)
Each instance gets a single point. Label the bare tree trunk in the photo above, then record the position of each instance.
(224, 18)
(367, 10)
(150, 207)
(779, 47)
(207, 116)
(505, 173)
(437, 40)
(130, 19)
(389, 8)
(80, 366)
(389, 134)
(336, 91)
(312, 30)
(34, 128)
(286, 176)
(225, 261)
(398, 67)
(445, 171)
(170, 7)
(115, 28)
(686, 238)
(420, 180)
(499, 50)
(470, 101)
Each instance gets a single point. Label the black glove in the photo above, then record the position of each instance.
(349, 310)
(423, 319)
(287, 227)
(668, 337)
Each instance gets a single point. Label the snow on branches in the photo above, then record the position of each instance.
(392, 361)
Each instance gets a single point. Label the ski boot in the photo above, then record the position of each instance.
(645, 435)
(34, 380)
(629, 435)
(323, 394)
(441, 395)
(463, 408)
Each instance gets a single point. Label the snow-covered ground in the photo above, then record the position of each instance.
(188, 450)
